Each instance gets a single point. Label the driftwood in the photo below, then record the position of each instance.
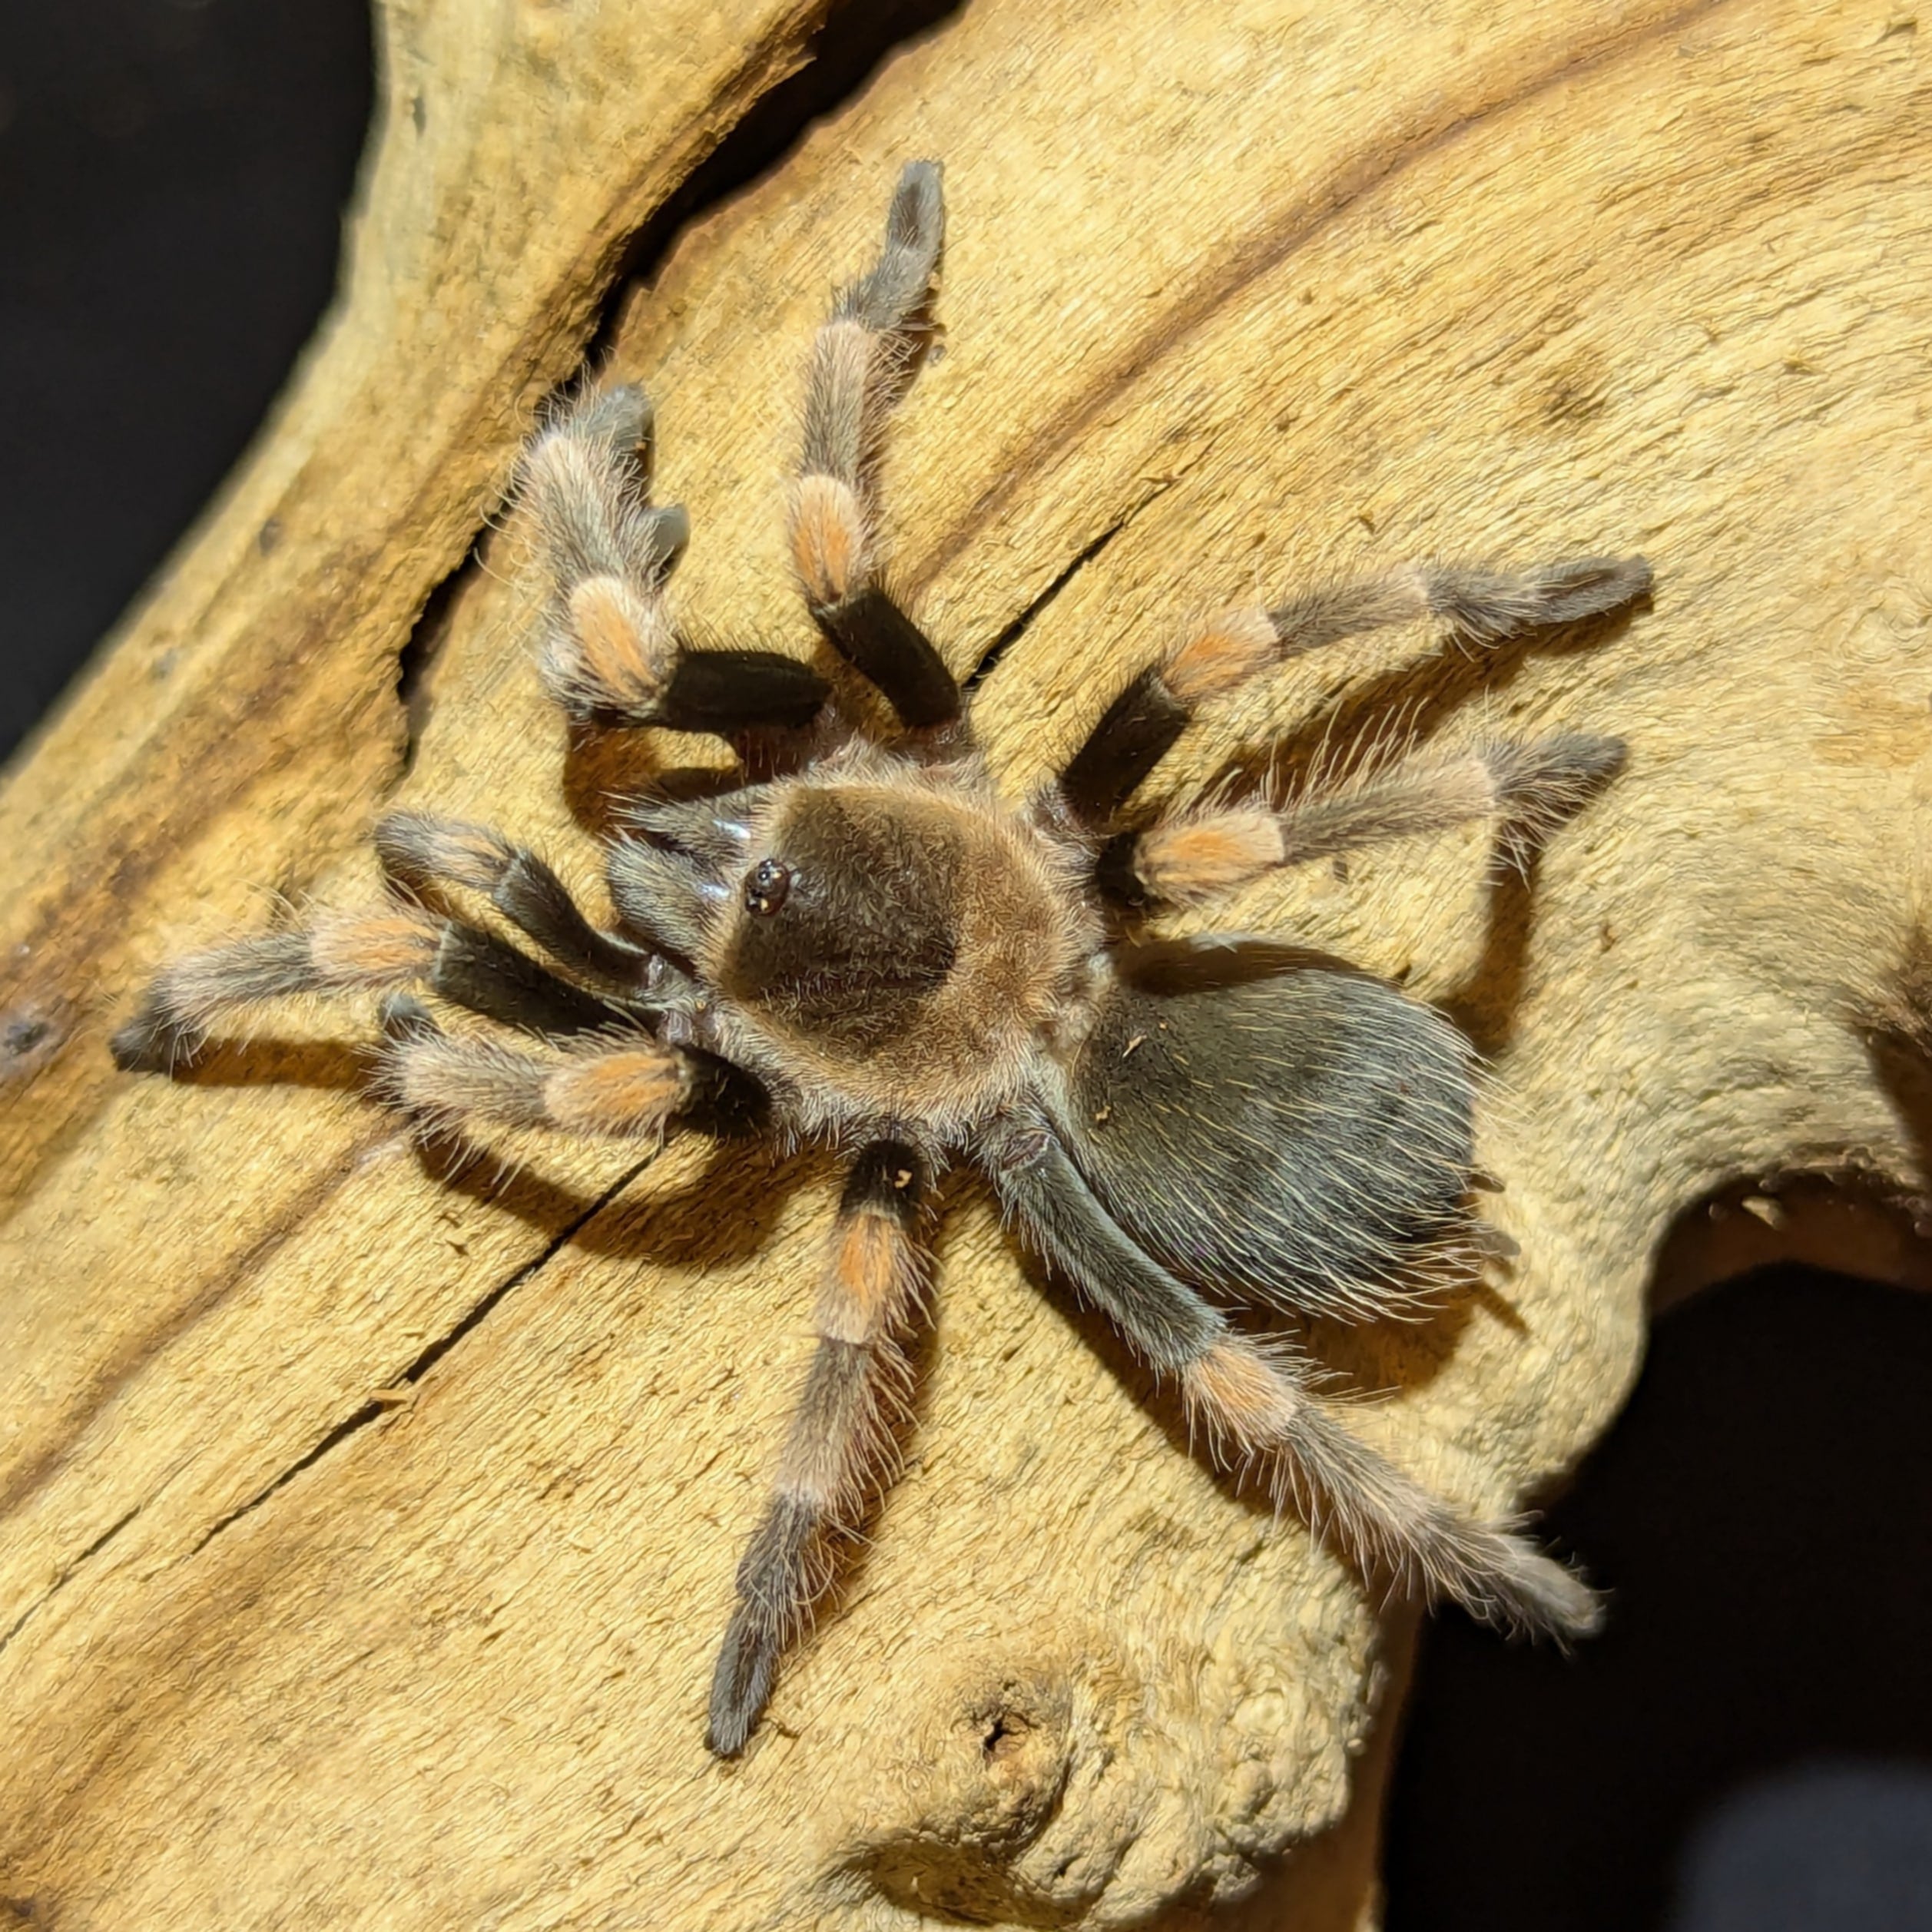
(367, 1525)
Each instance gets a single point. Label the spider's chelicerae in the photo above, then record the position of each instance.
(864, 943)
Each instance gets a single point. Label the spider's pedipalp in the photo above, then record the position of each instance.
(671, 897)
(862, 359)
(1218, 656)
(1526, 789)
(840, 1445)
(1256, 1406)
(613, 654)
(424, 854)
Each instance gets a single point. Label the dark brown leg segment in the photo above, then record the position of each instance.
(426, 854)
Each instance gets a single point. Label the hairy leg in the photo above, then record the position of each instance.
(337, 953)
(862, 360)
(625, 1087)
(396, 947)
(426, 854)
(1256, 1404)
(839, 1447)
(1527, 790)
(1217, 657)
(613, 654)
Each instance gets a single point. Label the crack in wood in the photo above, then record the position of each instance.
(990, 658)
(66, 1576)
(376, 1407)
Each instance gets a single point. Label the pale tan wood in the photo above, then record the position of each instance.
(1235, 296)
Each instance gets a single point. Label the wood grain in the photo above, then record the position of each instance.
(368, 1527)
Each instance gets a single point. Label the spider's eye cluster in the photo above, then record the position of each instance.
(765, 890)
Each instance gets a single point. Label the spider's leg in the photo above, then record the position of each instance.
(1257, 1404)
(862, 360)
(1525, 789)
(475, 969)
(622, 1086)
(1479, 607)
(383, 951)
(613, 655)
(336, 952)
(839, 1447)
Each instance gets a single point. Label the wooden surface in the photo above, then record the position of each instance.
(367, 1530)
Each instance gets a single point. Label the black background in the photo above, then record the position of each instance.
(1749, 1748)
(172, 179)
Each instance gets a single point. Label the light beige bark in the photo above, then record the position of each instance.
(367, 1530)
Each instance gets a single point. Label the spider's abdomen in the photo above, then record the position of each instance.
(1299, 1138)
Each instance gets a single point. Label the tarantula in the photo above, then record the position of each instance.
(864, 944)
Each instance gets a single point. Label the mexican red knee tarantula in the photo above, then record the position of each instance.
(872, 948)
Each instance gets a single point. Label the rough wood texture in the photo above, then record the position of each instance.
(367, 1530)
